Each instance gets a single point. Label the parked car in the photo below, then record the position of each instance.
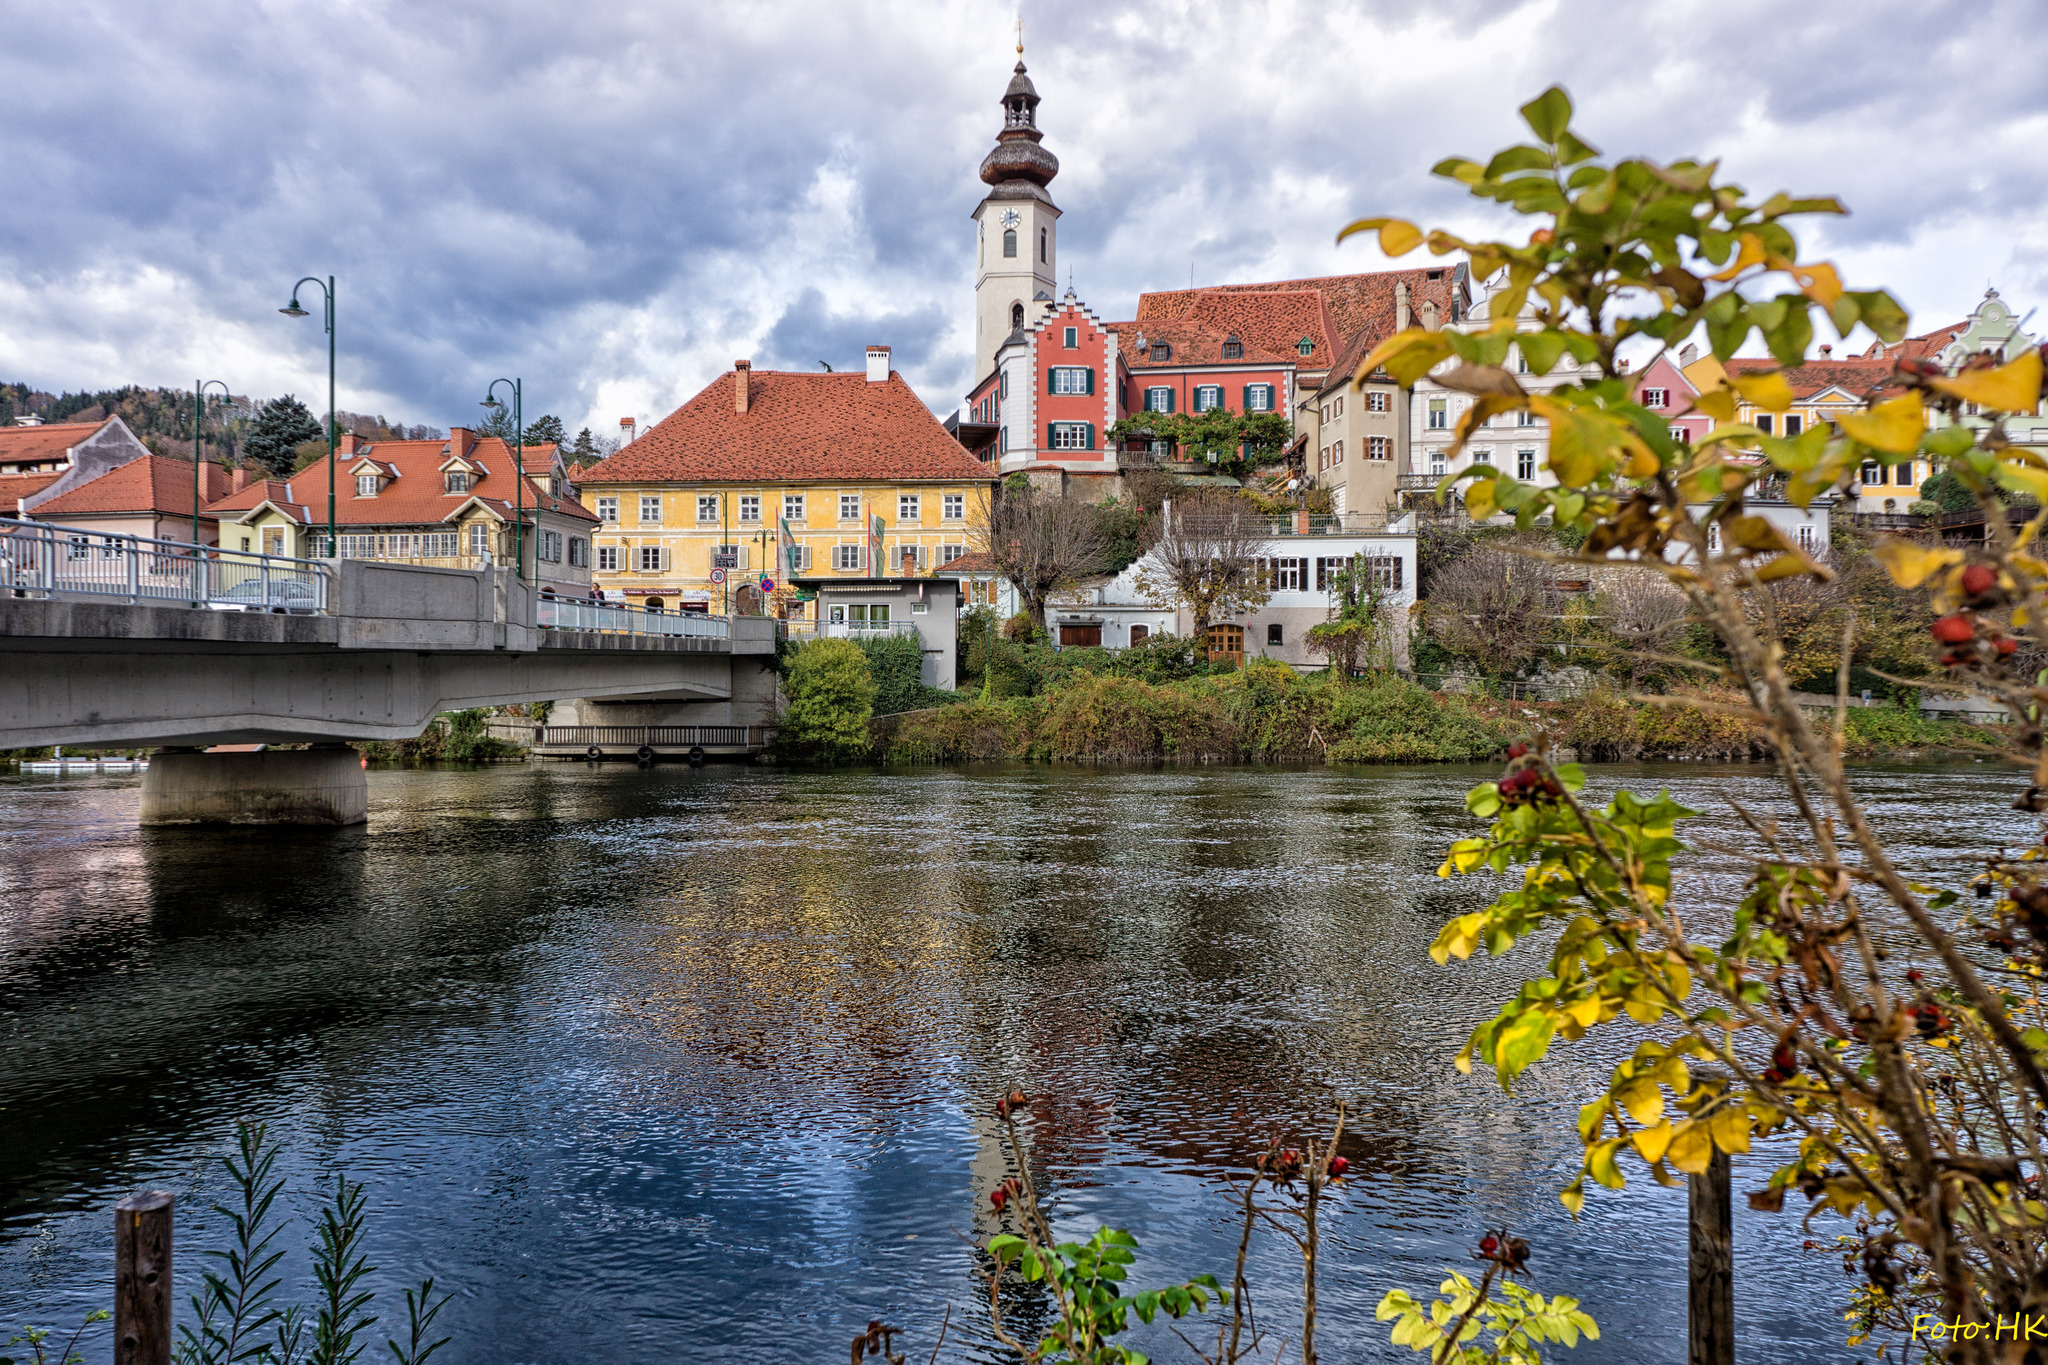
(294, 595)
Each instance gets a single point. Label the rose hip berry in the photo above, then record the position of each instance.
(1979, 579)
(1953, 630)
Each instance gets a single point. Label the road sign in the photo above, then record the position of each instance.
(728, 559)
(718, 575)
(767, 583)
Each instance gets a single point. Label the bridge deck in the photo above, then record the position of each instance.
(667, 741)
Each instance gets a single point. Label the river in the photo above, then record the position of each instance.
(646, 1065)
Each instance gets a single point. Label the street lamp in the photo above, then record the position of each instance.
(292, 310)
(198, 414)
(518, 472)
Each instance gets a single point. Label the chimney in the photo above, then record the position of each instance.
(627, 430)
(461, 440)
(1688, 354)
(1621, 366)
(1827, 352)
(1429, 315)
(348, 443)
(1401, 315)
(878, 364)
(742, 373)
(238, 480)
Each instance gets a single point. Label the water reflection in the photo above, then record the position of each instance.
(678, 1060)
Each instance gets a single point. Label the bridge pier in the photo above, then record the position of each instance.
(323, 785)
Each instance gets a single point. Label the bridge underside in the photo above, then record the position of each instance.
(264, 679)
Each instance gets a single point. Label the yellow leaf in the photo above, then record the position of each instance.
(1642, 464)
(1692, 1147)
(1909, 563)
(1719, 404)
(1398, 237)
(1752, 252)
(1819, 282)
(1791, 564)
(2012, 387)
(1573, 1198)
(1893, 426)
(1754, 533)
(1651, 1143)
(1585, 1013)
(1406, 355)
(1643, 1100)
(1479, 499)
(2022, 479)
(1768, 390)
(1730, 1126)
(1600, 1163)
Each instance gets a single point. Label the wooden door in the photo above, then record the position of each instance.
(1081, 635)
(1226, 642)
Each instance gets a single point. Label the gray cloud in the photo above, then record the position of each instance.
(614, 201)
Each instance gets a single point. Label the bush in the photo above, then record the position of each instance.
(896, 664)
(1384, 718)
(831, 699)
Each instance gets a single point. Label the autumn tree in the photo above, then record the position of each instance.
(1489, 605)
(1887, 1029)
(1207, 560)
(1043, 543)
(1361, 624)
(1232, 441)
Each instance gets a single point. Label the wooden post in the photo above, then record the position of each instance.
(1711, 1282)
(142, 1279)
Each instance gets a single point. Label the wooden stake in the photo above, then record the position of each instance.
(1711, 1282)
(142, 1279)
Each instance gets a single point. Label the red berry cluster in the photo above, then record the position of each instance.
(1511, 1252)
(1971, 640)
(1784, 1062)
(1338, 1167)
(1002, 1195)
(1526, 780)
(1281, 1165)
(1929, 1019)
(1012, 1101)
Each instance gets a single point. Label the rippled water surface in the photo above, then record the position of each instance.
(667, 1064)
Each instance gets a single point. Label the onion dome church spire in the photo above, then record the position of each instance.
(1017, 155)
(1016, 226)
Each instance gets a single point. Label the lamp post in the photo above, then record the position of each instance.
(198, 414)
(292, 310)
(518, 472)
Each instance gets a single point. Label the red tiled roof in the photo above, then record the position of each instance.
(1192, 343)
(974, 561)
(1867, 379)
(15, 487)
(1917, 348)
(1356, 303)
(150, 483)
(798, 427)
(416, 497)
(19, 445)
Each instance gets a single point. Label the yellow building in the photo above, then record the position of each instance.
(1822, 390)
(774, 475)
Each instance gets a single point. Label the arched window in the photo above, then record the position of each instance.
(1041, 244)
(1009, 241)
(1016, 317)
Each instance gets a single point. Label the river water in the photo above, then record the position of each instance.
(646, 1065)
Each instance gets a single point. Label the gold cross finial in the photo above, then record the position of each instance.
(1020, 35)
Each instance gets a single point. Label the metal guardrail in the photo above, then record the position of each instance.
(607, 619)
(41, 558)
(628, 738)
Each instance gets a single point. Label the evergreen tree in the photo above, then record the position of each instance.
(584, 449)
(545, 430)
(282, 425)
(498, 424)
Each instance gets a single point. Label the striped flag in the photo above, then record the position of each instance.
(875, 545)
(788, 548)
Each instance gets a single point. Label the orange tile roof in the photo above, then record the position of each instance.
(15, 487)
(1192, 343)
(150, 483)
(1867, 379)
(798, 427)
(19, 445)
(416, 497)
(974, 561)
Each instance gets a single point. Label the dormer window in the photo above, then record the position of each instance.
(1305, 346)
(1161, 352)
(366, 485)
(1233, 349)
(457, 480)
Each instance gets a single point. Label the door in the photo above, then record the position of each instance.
(1139, 634)
(1226, 642)
(1081, 635)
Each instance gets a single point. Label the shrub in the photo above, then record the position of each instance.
(831, 699)
(896, 664)
(1384, 718)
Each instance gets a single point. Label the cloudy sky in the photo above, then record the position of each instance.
(613, 200)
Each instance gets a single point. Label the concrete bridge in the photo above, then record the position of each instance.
(181, 651)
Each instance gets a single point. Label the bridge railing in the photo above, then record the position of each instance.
(40, 559)
(609, 619)
(626, 738)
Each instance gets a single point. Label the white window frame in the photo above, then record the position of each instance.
(849, 507)
(608, 511)
(1376, 401)
(1656, 398)
(607, 559)
(1212, 392)
(1379, 448)
(750, 508)
(1439, 414)
(1070, 380)
(793, 508)
(1069, 435)
(1260, 396)
(707, 509)
(650, 502)
(953, 507)
(479, 539)
(366, 485)
(909, 509)
(1525, 463)
(1161, 392)
(649, 559)
(847, 557)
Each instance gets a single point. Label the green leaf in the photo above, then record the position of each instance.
(1520, 157)
(1571, 151)
(1948, 442)
(1570, 775)
(1549, 114)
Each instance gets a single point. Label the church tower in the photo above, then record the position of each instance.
(1016, 226)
